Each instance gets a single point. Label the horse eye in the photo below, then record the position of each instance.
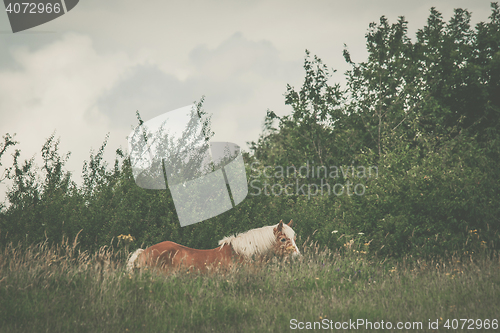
(283, 239)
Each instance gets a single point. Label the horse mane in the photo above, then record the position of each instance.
(133, 258)
(256, 241)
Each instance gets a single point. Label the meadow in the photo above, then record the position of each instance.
(415, 249)
(62, 289)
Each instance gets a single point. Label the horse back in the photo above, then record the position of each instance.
(170, 254)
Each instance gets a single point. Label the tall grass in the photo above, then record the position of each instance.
(59, 289)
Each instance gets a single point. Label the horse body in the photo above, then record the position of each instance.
(170, 254)
(278, 239)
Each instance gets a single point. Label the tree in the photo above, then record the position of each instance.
(426, 113)
(7, 142)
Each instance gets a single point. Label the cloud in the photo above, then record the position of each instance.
(58, 84)
(56, 88)
(236, 57)
(239, 77)
(69, 87)
(144, 88)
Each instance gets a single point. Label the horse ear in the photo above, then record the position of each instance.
(290, 223)
(280, 226)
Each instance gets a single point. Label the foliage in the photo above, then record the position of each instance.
(402, 161)
(425, 114)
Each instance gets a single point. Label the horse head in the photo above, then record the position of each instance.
(285, 239)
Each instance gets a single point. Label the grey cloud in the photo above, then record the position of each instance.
(239, 54)
(147, 89)
(230, 74)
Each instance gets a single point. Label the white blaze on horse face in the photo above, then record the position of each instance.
(290, 246)
(289, 238)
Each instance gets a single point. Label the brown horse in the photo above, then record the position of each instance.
(278, 239)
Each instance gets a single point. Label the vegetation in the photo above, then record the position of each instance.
(406, 154)
(392, 183)
(61, 289)
(426, 114)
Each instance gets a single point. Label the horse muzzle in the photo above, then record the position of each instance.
(293, 250)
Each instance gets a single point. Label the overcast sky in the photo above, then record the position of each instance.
(85, 74)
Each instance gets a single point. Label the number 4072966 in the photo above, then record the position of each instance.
(33, 8)
(471, 324)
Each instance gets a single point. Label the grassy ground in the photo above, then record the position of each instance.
(47, 289)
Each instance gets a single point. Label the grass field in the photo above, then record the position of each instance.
(58, 289)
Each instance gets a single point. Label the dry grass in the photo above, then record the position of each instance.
(59, 289)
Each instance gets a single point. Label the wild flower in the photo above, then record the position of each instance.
(127, 239)
(349, 244)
